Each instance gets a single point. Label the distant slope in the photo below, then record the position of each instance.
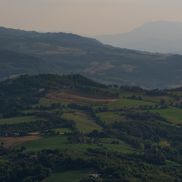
(13, 63)
(24, 52)
(163, 36)
(10, 38)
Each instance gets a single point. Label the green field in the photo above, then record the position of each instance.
(128, 103)
(61, 143)
(57, 142)
(173, 115)
(157, 99)
(83, 122)
(109, 117)
(18, 120)
(66, 176)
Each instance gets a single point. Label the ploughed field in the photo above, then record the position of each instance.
(72, 129)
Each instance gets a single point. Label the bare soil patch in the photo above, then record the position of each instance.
(68, 96)
(13, 141)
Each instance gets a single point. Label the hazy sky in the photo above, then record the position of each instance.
(86, 16)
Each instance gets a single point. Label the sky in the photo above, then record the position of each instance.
(86, 17)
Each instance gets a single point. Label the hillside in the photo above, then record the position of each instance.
(70, 128)
(23, 52)
(162, 36)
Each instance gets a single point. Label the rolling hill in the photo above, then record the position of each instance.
(31, 52)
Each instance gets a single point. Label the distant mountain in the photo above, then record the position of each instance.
(23, 52)
(162, 36)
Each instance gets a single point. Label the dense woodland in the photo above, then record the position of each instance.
(52, 127)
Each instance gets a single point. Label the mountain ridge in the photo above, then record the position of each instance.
(59, 53)
(160, 36)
